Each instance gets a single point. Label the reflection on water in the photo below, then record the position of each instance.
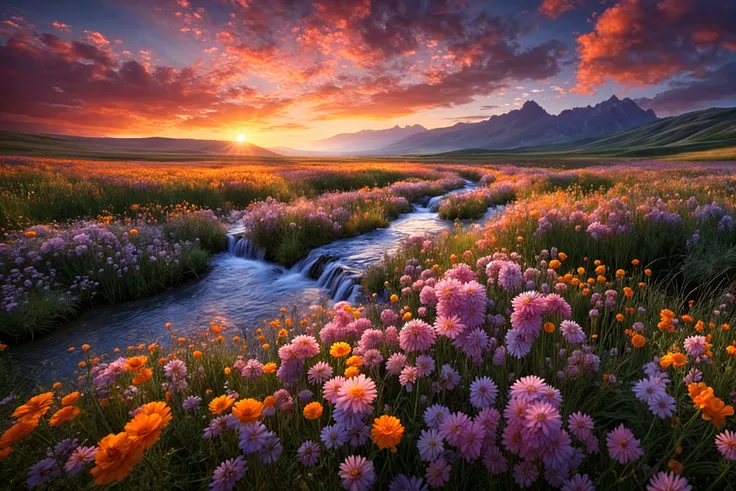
(238, 292)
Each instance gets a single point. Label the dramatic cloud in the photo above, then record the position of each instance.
(555, 8)
(332, 59)
(686, 96)
(83, 88)
(644, 42)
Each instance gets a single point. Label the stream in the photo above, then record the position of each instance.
(240, 291)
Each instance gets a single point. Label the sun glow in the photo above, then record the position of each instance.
(241, 138)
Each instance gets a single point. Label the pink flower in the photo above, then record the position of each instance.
(623, 446)
(528, 388)
(416, 336)
(357, 473)
(449, 327)
(452, 427)
(580, 425)
(470, 441)
(331, 387)
(319, 373)
(175, 369)
(408, 377)
(396, 363)
(572, 332)
(695, 345)
(356, 395)
(556, 305)
(726, 443)
(305, 346)
(668, 481)
(542, 419)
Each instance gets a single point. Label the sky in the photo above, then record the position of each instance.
(286, 73)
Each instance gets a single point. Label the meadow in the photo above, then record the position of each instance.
(579, 339)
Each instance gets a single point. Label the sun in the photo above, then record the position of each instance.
(241, 138)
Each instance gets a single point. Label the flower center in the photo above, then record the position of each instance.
(624, 443)
(356, 392)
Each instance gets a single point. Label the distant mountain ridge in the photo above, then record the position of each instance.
(699, 132)
(528, 126)
(366, 140)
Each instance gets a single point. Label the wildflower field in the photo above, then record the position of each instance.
(579, 339)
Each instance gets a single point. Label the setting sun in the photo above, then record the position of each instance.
(241, 138)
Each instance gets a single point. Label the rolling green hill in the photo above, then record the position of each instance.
(156, 149)
(709, 132)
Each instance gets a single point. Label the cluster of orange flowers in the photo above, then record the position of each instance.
(667, 318)
(136, 364)
(676, 360)
(712, 407)
(118, 454)
(29, 414)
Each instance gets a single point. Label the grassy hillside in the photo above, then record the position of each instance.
(155, 149)
(709, 134)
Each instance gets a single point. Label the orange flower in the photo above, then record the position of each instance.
(143, 376)
(354, 361)
(219, 405)
(269, 367)
(197, 354)
(638, 341)
(387, 432)
(5, 452)
(135, 363)
(676, 360)
(731, 350)
(352, 372)
(17, 432)
(549, 327)
(159, 408)
(115, 458)
(64, 415)
(269, 401)
(716, 412)
(57, 385)
(36, 407)
(313, 410)
(226, 370)
(145, 429)
(340, 350)
(248, 410)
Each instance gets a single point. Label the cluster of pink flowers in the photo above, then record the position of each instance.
(526, 320)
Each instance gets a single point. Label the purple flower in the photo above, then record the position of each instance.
(227, 474)
(483, 392)
(309, 453)
(43, 472)
(357, 473)
(80, 457)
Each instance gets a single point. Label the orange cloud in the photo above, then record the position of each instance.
(643, 42)
(555, 8)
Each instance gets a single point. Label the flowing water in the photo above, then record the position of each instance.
(240, 290)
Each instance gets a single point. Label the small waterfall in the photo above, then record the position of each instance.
(338, 281)
(434, 204)
(239, 246)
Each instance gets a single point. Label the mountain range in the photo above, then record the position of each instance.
(706, 134)
(528, 126)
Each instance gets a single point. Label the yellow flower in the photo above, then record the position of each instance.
(387, 432)
(340, 350)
